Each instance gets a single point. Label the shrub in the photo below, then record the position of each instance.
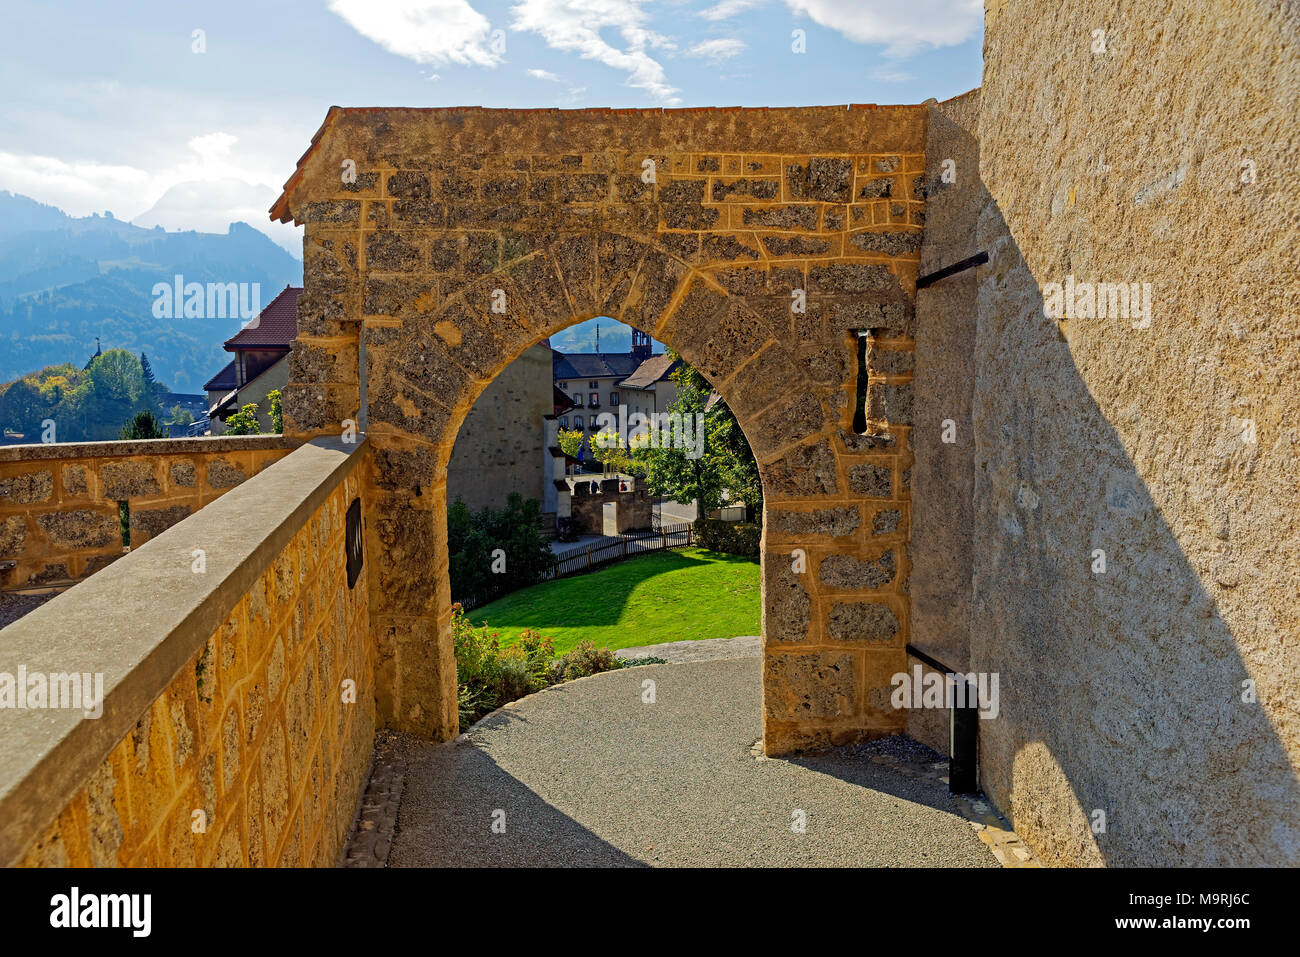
(277, 411)
(733, 538)
(244, 422)
(472, 538)
(488, 675)
(586, 659)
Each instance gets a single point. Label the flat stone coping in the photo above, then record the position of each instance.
(139, 621)
(126, 447)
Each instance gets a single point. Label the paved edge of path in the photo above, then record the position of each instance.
(703, 649)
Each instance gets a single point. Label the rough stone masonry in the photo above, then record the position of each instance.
(441, 243)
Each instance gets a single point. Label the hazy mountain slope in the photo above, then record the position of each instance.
(65, 280)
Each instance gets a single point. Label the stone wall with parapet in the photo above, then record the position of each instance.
(757, 243)
(59, 503)
(239, 713)
(635, 510)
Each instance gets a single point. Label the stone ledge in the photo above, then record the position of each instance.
(131, 448)
(139, 622)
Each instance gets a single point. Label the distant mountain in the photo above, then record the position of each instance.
(614, 337)
(65, 280)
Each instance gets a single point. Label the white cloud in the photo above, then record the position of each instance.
(214, 145)
(725, 9)
(436, 32)
(207, 189)
(716, 51)
(904, 29)
(574, 26)
(882, 75)
(570, 95)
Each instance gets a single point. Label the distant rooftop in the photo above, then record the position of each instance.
(276, 326)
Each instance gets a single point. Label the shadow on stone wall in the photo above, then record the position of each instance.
(1121, 691)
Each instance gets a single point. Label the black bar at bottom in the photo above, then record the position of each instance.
(963, 729)
(963, 742)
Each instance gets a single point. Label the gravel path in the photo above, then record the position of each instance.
(587, 773)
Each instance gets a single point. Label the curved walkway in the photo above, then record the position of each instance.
(591, 773)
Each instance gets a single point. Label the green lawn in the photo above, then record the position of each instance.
(672, 595)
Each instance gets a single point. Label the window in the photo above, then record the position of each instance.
(577, 421)
(564, 385)
(564, 421)
(577, 399)
(592, 385)
(613, 398)
(595, 400)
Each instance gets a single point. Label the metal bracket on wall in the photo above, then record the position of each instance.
(929, 279)
(963, 730)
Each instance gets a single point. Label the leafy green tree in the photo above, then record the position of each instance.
(277, 411)
(116, 391)
(244, 422)
(570, 441)
(143, 425)
(472, 538)
(22, 407)
(727, 464)
(182, 416)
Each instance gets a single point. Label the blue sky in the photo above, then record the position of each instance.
(110, 108)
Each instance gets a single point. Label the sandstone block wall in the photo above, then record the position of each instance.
(253, 732)
(635, 509)
(59, 515)
(501, 446)
(467, 235)
(1160, 692)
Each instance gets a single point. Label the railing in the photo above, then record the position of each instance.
(577, 563)
(591, 558)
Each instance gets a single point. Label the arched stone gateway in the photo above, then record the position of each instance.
(776, 250)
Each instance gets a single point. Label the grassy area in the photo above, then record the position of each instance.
(673, 595)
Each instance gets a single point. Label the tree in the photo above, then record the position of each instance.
(472, 539)
(143, 425)
(726, 466)
(277, 411)
(117, 391)
(182, 416)
(570, 441)
(21, 407)
(146, 371)
(244, 422)
(609, 449)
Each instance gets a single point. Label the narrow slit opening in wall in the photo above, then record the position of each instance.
(860, 400)
(124, 516)
(862, 423)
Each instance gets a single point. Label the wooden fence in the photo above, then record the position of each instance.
(633, 543)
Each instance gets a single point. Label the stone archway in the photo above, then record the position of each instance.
(776, 250)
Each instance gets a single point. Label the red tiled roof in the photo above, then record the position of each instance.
(275, 326)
